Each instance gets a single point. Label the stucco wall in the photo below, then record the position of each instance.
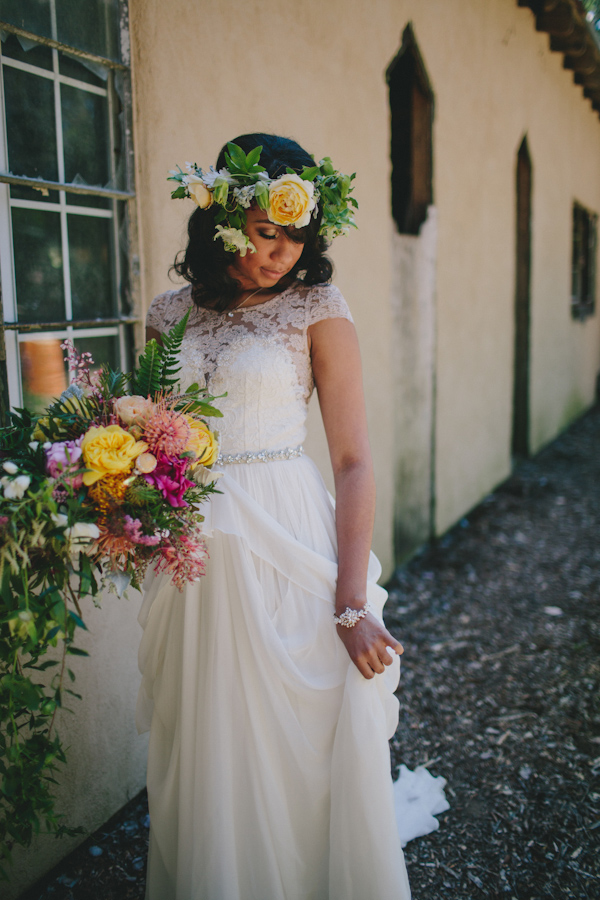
(206, 72)
(106, 757)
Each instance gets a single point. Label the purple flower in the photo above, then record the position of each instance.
(169, 478)
(62, 457)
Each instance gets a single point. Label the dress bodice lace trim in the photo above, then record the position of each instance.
(260, 357)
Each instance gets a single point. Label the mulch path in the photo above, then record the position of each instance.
(499, 694)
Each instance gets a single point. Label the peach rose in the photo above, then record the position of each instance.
(133, 410)
(199, 192)
(291, 201)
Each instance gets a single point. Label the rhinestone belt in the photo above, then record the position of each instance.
(261, 456)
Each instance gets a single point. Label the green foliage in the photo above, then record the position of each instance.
(40, 592)
(158, 365)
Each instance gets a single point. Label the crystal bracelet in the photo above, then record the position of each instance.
(350, 616)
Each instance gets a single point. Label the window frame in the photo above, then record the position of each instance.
(584, 259)
(12, 333)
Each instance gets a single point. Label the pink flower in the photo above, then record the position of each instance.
(133, 530)
(169, 478)
(184, 559)
(62, 459)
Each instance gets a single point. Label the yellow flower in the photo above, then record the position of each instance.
(291, 201)
(202, 443)
(108, 451)
(199, 193)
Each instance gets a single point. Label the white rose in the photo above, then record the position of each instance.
(60, 520)
(83, 532)
(14, 488)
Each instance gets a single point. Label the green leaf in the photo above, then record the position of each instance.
(179, 193)
(79, 621)
(76, 651)
(253, 157)
(146, 380)
(309, 173)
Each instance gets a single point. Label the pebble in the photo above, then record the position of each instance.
(94, 850)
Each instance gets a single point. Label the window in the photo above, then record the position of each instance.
(583, 281)
(411, 106)
(65, 189)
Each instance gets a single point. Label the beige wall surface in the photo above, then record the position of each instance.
(106, 757)
(316, 71)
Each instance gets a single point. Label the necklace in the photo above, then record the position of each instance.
(241, 303)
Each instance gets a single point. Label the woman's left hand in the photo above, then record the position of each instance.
(368, 644)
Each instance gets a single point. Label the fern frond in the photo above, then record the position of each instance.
(171, 345)
(147, 376)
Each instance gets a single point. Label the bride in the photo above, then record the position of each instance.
(268, 686)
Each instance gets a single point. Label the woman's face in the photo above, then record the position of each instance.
(275, 256)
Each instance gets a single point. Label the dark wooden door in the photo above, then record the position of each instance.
(520, 426)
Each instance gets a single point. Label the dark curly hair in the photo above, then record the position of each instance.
(205, 262)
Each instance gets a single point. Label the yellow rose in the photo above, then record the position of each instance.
(109, 451)
(291, 201)
(199, 192)
(133, 410)
(202, 443)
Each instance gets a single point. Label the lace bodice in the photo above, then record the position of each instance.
(260, 357)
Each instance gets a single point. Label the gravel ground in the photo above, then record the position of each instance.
(499, 694)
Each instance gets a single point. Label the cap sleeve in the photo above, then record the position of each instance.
(156, 315)
(325, 301)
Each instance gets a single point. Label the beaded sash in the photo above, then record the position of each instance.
(261, 456)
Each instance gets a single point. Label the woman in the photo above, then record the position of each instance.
(269, 773)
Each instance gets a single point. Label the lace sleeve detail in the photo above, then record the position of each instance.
(325, 301)
(155, 317)
(168, 309)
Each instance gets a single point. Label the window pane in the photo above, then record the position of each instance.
(25, 51)
(31, 133)
(85, 135)
(17, 192)
(43, 372)
(91, 73)
(38, 265)
(92, 292)
(88, 200)
(91, 26)
(33, 15)
(103, 349)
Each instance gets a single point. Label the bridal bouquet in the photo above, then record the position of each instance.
(106, 483)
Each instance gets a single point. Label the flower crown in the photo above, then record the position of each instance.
(290, 199)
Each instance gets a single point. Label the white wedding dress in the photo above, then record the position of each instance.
(269, 770)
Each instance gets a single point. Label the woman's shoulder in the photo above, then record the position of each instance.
(325, 301)
(167, 309)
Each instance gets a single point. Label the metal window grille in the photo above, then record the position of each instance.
(67, 222)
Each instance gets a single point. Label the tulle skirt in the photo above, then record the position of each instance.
(269, 770)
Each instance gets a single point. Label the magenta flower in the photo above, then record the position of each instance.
(62, 458)
(169, 478)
